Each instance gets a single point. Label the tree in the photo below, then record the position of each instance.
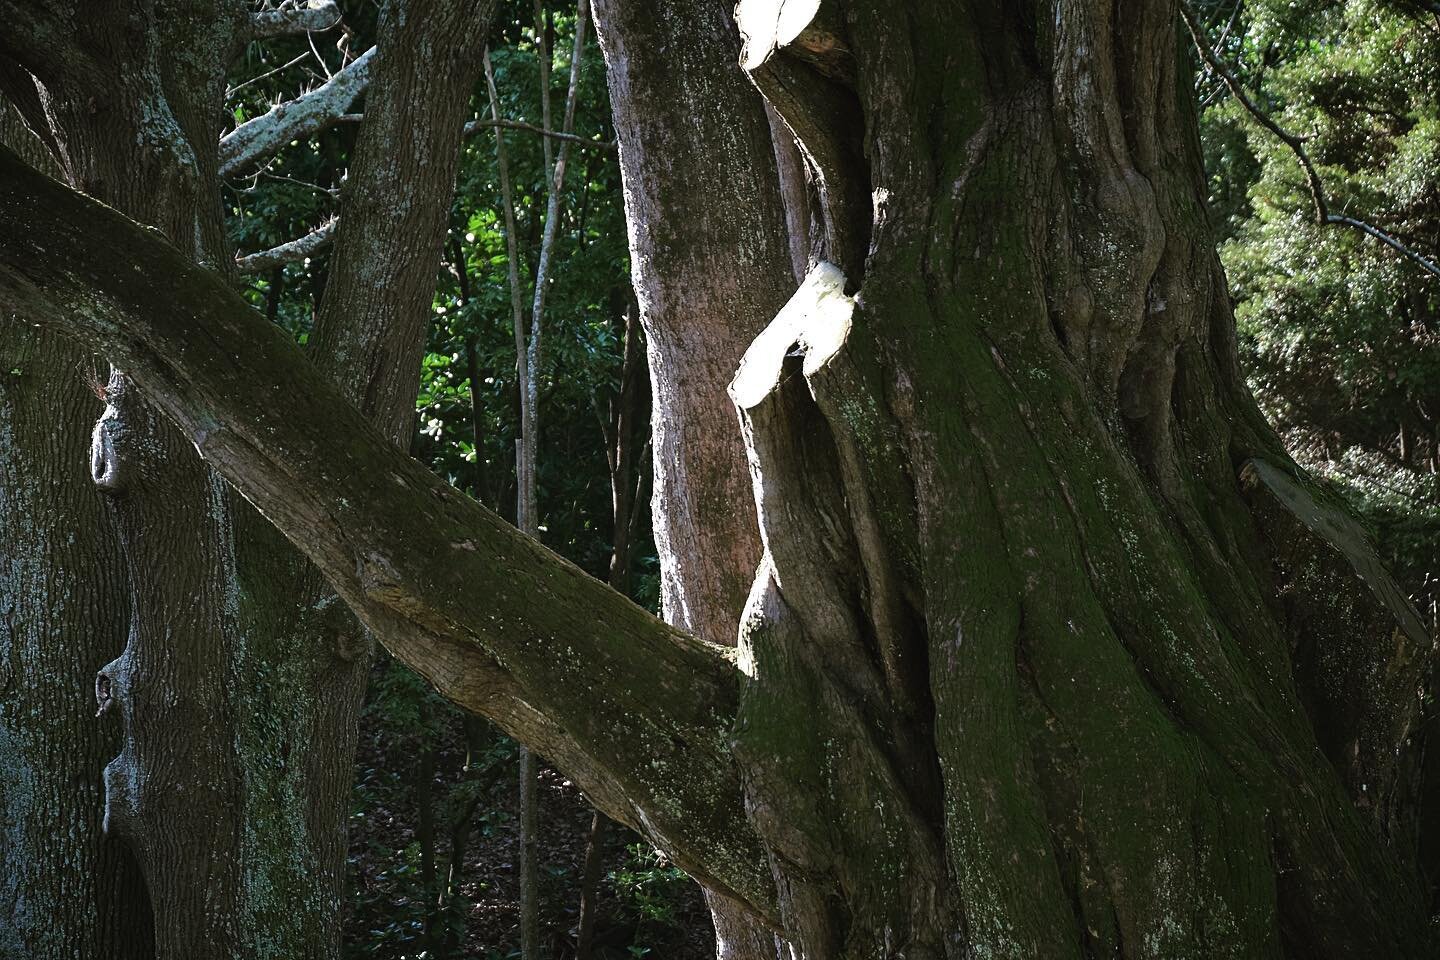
(1052, 651)
(73, 891)
(237, 823)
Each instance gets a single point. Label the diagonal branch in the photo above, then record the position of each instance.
(475, 126)
(1296, 143)
(292, 251)
(634, 710)
(257, 139)
(293, 17)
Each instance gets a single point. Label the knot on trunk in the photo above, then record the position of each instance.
(107, 465)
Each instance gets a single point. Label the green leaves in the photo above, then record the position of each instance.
(1339, 335)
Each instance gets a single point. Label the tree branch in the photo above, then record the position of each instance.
(1296, 143)
(257, 139)
(292, 17)
(291, 251)
(475, 126)
(637, 712)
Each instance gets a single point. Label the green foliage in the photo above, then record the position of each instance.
(1339, 334)
(466, 426)
(648, 884)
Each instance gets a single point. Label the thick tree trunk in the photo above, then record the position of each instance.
(62, 610)
(1028, 669)
(1019, 674)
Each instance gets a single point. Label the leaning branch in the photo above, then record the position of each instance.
(292, 17)
(637, 712)
(292, 251)
(254, 140)
(1296, 143)
(473, 127)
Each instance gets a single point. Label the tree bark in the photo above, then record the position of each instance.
(1026, 669)
(63, 609)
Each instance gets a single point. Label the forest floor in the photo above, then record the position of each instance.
(646, 907)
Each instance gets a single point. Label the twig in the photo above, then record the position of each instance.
(475, 126)
(269, 73)
(1296, 143)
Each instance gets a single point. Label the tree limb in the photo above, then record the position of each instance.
(475, 126)
(292, 17)
(292, 251)
(265, 135)
(1296, 143)
(637, 712)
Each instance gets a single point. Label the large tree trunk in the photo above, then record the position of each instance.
(62, 610)
(1053, 652)
(711, 267)
(240, 685)
(1019, 671)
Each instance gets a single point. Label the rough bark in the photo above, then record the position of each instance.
(65, 892)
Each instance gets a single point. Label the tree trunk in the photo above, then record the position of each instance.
(1017, 493)
(711, 267)
(63, 892)
(233, 781)
(1052, 652)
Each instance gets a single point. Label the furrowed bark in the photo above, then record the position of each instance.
(636, 711)
(1013, 597)
(62, 610)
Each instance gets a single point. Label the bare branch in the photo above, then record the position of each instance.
(291, 17)
(266, 75)
(1296, 143)
(257, 139)
(475, 126)
(291, 251)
